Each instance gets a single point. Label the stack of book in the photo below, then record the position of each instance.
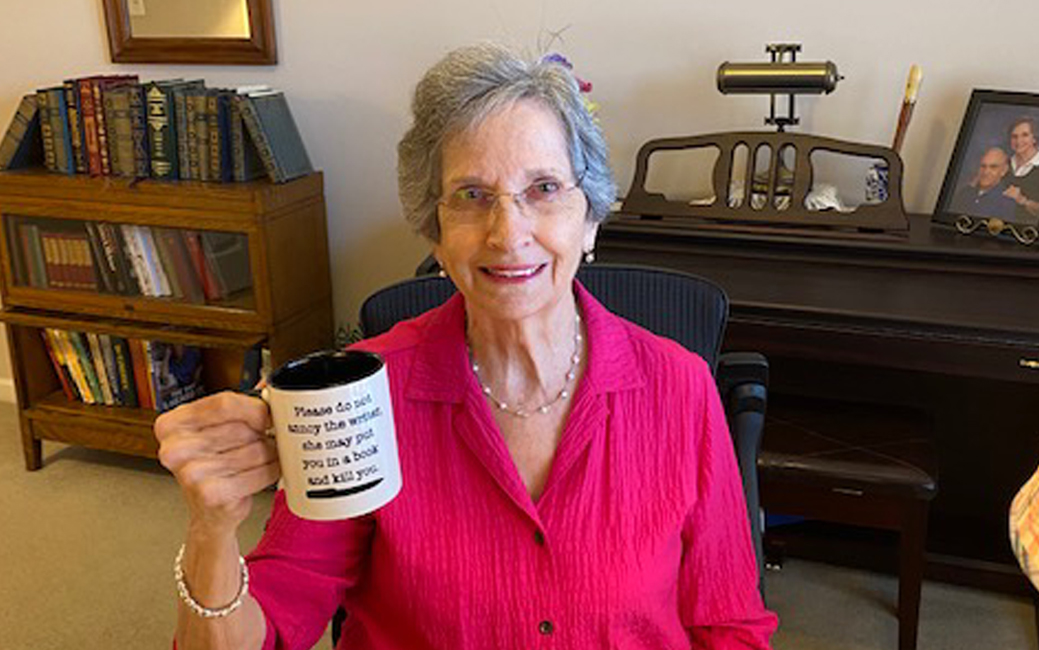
(196, 266)
(115, 371)
(114, 125)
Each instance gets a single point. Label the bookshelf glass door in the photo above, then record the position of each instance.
(194, 267)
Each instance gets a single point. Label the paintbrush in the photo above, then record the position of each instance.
(906, 114)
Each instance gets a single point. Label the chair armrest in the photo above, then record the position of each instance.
(743, 385)
(736, 369)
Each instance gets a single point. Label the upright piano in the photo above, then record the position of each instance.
(937, 320)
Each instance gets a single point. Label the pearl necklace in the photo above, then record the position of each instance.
(575, 361)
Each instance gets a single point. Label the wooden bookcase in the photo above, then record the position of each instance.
(288, 308)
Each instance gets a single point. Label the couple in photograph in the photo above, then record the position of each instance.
(1005, 184)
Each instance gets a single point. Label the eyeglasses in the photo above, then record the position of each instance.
(542, 198)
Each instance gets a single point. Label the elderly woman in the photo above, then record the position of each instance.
(1023, 181)
(569, 481)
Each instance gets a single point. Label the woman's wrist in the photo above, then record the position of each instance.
(203, 610)
(210, 566)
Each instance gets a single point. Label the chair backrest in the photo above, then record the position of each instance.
(680, 306)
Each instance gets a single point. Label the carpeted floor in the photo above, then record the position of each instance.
(87, 546)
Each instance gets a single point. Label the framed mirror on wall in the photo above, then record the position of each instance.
(191, 31)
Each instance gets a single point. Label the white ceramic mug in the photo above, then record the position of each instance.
(336, 440)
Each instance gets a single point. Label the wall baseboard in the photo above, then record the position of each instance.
(7, 393)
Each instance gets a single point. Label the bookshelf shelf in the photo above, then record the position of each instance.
(266, 230)
(207, 337)
(55, 407)
(234, 313)
(108, 428)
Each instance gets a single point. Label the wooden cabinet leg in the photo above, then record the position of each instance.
(911, 573)
(32, 448)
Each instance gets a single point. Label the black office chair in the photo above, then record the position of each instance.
(683, 307)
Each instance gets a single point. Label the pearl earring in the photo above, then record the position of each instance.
(589, 256)
(442, 273)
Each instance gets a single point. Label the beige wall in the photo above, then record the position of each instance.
(348, 69)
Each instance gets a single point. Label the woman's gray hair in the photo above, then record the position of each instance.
(1024, 119)
(467, 86)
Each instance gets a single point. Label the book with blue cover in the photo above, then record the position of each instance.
(21, 145)
(176, 373)
(270, 125)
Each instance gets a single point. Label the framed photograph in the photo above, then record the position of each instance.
(992, 183)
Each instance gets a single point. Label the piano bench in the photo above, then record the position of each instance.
(864, 465)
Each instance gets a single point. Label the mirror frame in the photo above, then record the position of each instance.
(259, 49)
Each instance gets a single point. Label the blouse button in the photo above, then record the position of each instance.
(545, 627)
(539, 538)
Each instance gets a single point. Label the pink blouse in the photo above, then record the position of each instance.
(639, 539)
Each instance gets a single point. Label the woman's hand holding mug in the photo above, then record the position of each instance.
(218, 449)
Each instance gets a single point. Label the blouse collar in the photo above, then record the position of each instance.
(440, 371)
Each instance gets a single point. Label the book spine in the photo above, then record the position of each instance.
(209, 250)
(63, 260)
(136, 258)
(192, 136)
(108, 355)
(165, 255)
(68, 258)
(60, 131)
(30, 235)
(153, 262)
(57, 362)
(202, 134)
(139, 133)
(236, 133)
(14, 245)
(61, 350)
(198, 262)
(180, 114)
(85, 261)
(224, 126)
(80, 345)
(190, 283)
(119, 126)
(124, 369)
(92, 149)
(259, 138)
(117, 259)
(148, 349)
(98, 359)
(75, 368)
(162, 139)
(52, 269)
(213, 127)
(97, 88)
(99, 259)
(47, 131)
(140, 374)
(68, 245)
(75, 125)
(39, 255)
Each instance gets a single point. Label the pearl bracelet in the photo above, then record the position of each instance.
(205, 612)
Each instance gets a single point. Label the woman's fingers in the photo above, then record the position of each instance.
(213, 410)
(227, 463)
(218, 450)
(189, 444)
(221, 481)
